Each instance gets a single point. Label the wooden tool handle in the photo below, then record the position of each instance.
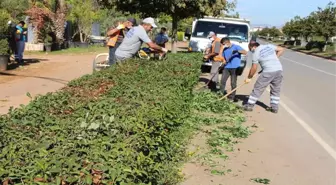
(228, 94)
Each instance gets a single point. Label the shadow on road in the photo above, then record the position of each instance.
(40, 77)
(13, 65)
(244, 99)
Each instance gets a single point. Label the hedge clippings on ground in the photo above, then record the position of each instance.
(125, 125)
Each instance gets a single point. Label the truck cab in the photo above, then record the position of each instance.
(238, 30)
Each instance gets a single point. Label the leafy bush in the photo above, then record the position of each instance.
(4, 18)
(315, 44)
(4, 47)
(122, 125)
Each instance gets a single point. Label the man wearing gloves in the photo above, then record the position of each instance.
(268, 58)
(232, 54)
(214, 51)
(134, 39)
(117, 36)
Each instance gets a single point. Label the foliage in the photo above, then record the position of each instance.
(110, 18)
(48, 16)
(226, 129)
(4, 47)
(4, 17)
(124, 125)
(327, 21)
(84, 13)
(177, 9)
(16, 8)
(319, 23)
(293, 28)
(48, 40)
(271, 32)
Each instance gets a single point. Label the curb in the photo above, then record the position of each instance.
(318, 56)
(327, 58)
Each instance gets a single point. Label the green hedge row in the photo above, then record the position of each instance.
(123, 125)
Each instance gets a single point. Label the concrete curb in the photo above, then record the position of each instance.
(311, 54)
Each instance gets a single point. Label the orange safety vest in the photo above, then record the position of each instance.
(219, 57)
(113, 39)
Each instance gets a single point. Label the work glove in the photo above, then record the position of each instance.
(120, 27)
(247, 80)
(164, 50)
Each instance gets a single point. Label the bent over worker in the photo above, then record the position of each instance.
(134, 39)
(268, 58)
(215, 49)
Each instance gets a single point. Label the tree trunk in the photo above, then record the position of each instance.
(81, 36)
(174, 38)
(326, 44)
(59, 20)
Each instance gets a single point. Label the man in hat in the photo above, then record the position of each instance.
(214, 51)
(134, 39)
(116, 36)
(268, 58)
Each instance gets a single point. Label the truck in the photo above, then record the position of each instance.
(238, 30)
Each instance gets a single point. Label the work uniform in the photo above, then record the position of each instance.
(271, 75)
(233, 61)
(215, 48)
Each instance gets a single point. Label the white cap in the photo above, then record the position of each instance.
(9, 22)
(150, 21)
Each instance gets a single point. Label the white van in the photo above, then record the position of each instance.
(238, 30)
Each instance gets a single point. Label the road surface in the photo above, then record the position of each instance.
(309, 90)
(295, 146)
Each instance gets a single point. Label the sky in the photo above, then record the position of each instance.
(276, 12)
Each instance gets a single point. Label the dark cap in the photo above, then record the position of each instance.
(22, 22)
(133, 21)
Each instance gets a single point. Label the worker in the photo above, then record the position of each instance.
(20, 42)
(214, 51)
(232, 54)
(116, 36)
(134, 39)
(268, 58)
(162, 38)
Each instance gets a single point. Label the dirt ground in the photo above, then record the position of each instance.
(42, 74)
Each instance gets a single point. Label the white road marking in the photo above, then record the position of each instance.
(310, 130)
(319, 70)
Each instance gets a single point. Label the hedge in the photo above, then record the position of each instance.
(128, 124)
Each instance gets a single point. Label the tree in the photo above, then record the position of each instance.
(293, 28)
(16, 8)
(177, 9)
(50, 12)
(84, 13)
(308, 25)
(326, 22)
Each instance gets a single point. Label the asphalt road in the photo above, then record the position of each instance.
(309, 91)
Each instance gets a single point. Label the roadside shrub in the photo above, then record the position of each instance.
(123, 125)
(315, 44)
(292, 42)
